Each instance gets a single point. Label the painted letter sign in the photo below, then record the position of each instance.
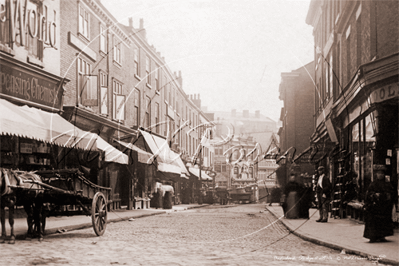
(385, 93)
(24, 20)
(23, 84)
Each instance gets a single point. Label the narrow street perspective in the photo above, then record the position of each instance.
(198, 132)
(212, 235)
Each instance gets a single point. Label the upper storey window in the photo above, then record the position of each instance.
(103, 39)
(117, 51)
(84, 22)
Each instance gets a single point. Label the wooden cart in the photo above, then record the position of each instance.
(68, 192)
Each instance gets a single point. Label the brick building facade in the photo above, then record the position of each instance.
(119, 85)
(356, 73)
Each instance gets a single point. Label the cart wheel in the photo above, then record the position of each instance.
(99, 213)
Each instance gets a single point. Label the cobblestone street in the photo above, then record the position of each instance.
(213, 235)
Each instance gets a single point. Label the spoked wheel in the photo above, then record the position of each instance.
(99, 213)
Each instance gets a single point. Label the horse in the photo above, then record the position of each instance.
(16, 190)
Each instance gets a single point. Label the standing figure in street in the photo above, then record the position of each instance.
(292, 195)
(323, 190)
(380, 197)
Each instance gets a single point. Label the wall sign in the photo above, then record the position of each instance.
(385, 93)
(26, 85)
(24, 20)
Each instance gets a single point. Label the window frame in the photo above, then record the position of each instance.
(89, 97)
(117, 92)
(84, 28)
(136, 59)
(103, 38)
(147, 111)
(117, 50)
(157, 118)
(148, 69)
(103, 96)
(136, 107)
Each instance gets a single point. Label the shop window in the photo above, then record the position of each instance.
(84, 22)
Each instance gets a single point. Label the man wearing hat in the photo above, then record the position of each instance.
(379, 200)
(323, 190)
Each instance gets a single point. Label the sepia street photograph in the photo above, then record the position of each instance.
(199, 132)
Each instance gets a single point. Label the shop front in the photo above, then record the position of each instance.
(117, 172)
(369, 129)
(170, 167)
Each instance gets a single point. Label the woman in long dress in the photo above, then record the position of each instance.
(379, 201)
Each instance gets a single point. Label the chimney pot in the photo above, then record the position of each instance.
(141, 23)
(131, 22)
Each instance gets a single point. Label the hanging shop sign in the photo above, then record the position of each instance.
(24, 20)
(385, 93)
(24, 84)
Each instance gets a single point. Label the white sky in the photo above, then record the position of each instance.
(230, 52)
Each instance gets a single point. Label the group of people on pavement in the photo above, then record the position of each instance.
(378, 204)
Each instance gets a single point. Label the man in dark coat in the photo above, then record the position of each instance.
(379, 201)
(323, 191)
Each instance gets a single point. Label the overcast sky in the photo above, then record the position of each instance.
(230, 52)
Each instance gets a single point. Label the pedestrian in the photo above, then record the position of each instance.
(292, 194)
(323, 191)
(380, 197)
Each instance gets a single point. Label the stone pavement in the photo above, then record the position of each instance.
(342, 234)
(65, 223)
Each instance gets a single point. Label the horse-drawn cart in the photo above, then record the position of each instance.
(63, 188)
(63, 192)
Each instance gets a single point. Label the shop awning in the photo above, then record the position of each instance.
(168, 161)
(33, 123)
(111, 154)
(195, 171)
(143, 156)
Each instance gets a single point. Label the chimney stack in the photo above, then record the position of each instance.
(245, 113)
(180, 79)
(257, 114)
(233, 112)
(141, 29)
(130, 22)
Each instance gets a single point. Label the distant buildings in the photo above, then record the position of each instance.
(251, 131)
(297, 93)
